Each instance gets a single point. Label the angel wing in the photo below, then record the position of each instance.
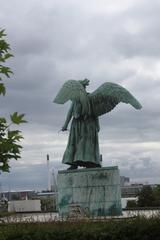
(108, 95)
(73, 90)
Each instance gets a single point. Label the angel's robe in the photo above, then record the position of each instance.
(83, 145)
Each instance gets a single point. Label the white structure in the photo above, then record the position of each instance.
(24, 206)
(125, 200)
(54, 182)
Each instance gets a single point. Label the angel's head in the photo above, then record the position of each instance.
(85, 82)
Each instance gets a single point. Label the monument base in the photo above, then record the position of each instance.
(96, 191)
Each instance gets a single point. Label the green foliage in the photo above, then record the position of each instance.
(135, 229)
(15, 197)
(9, 139)
(47, 204)
(5, 54)
(156, 195)
(145, 198)
(6, 214)
(131, 204)
(149, 197)
(9, 142)
(17, 118)
(2, 89)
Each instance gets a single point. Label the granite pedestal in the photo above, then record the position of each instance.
(95, 190)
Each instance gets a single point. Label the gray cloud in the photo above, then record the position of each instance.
(102, 40)
(32, 177)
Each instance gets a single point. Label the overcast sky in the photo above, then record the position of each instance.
(102, 40)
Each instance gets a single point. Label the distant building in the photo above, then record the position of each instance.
(124, 180)
(134, 189)
(131, 190)
(19, 195)
(45, 194)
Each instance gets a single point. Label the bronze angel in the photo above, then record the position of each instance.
(83, 146)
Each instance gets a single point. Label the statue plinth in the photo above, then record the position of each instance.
(96, 191)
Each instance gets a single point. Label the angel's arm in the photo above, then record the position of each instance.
(68, 118)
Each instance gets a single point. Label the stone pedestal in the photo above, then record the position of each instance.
(95, 190)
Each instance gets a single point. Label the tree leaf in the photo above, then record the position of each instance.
(2, 89)
(15, 135)
(2, 34)
(3, 120)
(6, 71)
(17, 118)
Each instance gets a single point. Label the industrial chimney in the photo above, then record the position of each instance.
(48, 173)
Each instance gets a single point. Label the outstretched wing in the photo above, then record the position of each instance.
(74, 91)
(108, 95)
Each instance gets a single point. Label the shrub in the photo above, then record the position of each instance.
(133, 229)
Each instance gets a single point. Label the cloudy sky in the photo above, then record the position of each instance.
(102, 40)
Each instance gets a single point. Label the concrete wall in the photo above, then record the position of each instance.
(24, 206)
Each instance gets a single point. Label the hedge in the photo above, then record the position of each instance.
(139, 228)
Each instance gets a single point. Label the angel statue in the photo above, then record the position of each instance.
(83, 146)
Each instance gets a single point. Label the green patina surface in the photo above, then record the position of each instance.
(86, 108)
(94, 189)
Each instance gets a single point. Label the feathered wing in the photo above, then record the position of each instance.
(74, 91)
(108, 95)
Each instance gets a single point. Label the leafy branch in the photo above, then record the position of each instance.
(9, 139)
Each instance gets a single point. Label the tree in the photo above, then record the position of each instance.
(146, 197)
(156, 194)
(131, 204)
(48, 204)
(9, 139)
